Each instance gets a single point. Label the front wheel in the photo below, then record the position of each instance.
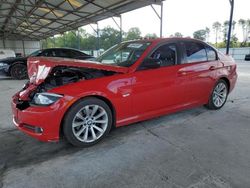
(219, 95)
(87, 122)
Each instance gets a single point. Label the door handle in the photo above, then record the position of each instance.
(212, 68)
(182, 73)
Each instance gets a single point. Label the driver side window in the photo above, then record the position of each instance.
(167, 54)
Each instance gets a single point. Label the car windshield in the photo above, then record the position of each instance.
(35, 53)
(124, 54)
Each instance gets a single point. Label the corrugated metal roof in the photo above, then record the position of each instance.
(39, 19)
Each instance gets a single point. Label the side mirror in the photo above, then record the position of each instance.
(150, 63)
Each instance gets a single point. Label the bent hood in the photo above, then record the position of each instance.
(40, 67)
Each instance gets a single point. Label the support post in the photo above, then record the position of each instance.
(230, 26)
(161, 19)
(160, 16)
(54, 41)
(78, 38)
(4, 44)
(119, 26)
(98, 38)
(64, 39)
(23, 49)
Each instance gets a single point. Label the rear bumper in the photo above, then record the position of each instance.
(233, 78)
(40, 122)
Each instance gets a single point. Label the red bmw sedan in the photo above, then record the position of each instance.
(133, 81)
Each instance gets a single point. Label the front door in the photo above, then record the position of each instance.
(156, 89)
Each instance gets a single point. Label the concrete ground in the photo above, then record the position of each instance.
(194, 148)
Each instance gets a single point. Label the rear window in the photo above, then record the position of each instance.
(211, 54)
(195, 52)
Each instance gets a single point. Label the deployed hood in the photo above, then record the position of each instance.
(40, 67)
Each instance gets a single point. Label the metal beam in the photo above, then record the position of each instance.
(3, 44)
(32, 18)
(161, 19)
(160, 16)
(97, 32)
(230, 25)
(11, 12)
(78, 38)
(23, 48)
(119, 26)
(27, 15)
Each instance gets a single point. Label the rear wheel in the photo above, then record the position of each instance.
(87, 122)
(19, 71)
(219, 95)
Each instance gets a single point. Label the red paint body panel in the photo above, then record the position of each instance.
(134, 95)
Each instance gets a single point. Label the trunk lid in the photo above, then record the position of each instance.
(40, 67)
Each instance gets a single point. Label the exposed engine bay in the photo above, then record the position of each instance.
(59, 76)
(62, 75)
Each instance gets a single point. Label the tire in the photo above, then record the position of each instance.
(19, 71)
(218, 96)
(91, 117)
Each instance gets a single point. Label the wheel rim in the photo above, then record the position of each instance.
(219, 94)
(90, 123)
(20, 72)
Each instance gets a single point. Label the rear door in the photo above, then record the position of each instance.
(198, 70)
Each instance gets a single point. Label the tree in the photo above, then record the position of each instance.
(200, 34)
(248, 29)
(243, 25)
(133, 33)
(217, 29)
(234, 39)
(151, 36)
(207, 33)
(225, 29)
(177, 34)
(109, 37)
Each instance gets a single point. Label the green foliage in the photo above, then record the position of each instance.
(133, 33)
(200, 34)
(151, 36)
(109, 36)
(177, 34)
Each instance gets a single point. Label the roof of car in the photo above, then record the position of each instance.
(166, 39)
(61, 49)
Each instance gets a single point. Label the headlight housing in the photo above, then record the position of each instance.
(45, 99)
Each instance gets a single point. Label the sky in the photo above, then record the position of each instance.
(184, 16)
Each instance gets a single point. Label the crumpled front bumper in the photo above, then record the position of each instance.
(40, 122)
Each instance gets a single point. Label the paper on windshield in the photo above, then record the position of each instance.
(135, 45)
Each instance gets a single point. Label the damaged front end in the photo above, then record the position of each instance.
(37, 110)
(46, 74)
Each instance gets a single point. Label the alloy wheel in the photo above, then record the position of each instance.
(220, 94)
(90, 123)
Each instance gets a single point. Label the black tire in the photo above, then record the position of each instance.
(211, 103)
(19, 71)
(71, 115)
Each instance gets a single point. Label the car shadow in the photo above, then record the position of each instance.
(19, 150)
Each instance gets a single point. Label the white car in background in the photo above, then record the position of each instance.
(6, 53)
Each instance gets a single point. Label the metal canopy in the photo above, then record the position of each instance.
(40, 19)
